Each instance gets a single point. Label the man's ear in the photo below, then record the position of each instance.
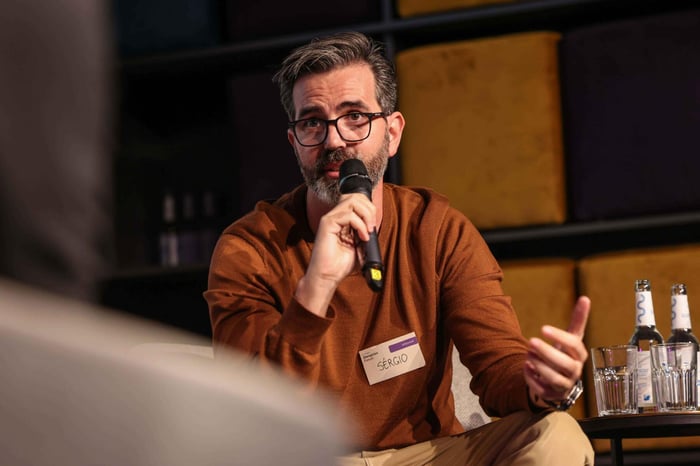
(396, 124)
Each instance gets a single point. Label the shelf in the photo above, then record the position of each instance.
(158, 273)
(568, 240)
(412, 31)
(171, 296)
(582, 229)
(581, 239)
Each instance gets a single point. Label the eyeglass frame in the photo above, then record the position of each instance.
(370, 115)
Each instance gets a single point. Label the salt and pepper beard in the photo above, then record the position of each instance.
(328, 190)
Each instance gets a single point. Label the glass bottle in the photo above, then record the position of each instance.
(681, 328)
(208, 234)
(168, 239)
(645, 334)
(188, 238)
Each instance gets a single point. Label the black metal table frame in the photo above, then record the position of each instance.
(648, 425)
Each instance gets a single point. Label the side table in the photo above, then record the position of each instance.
(646, 425)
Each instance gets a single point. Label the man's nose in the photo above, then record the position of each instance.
(333, 139)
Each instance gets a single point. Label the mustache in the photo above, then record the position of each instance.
(336, 155)
(331, 156)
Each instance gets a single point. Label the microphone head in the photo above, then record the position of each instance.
(352, 166)
(354, 178)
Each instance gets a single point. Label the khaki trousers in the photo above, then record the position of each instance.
(546, 439)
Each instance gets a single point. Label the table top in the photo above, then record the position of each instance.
(677, 424)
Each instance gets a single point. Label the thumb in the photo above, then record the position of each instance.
(579, 316)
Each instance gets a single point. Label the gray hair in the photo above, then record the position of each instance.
(332, 52)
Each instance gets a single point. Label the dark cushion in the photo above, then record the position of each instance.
(631, 99)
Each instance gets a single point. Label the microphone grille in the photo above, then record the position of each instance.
(352, 167)
(354, 178)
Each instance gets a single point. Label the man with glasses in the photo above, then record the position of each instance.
(285, 286)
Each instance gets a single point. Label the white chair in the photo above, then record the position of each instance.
(467, 407)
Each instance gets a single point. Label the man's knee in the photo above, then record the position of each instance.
(560, 436)
(559, 423)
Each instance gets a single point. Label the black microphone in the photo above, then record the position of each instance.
(354, 179)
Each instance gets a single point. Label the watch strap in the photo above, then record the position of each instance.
(570, 399)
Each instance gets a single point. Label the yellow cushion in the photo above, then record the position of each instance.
(543, 292)
(608, 279)
(419, 7)
(483, 126)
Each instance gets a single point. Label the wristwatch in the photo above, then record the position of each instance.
(570, 398)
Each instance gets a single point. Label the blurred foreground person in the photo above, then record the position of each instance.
(55, 160)
(78, 390)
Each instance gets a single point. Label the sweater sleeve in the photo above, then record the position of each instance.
(252, 309)
(480, 318)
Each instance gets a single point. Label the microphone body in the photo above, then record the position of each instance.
(354, 179)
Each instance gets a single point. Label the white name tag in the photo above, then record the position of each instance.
(392, 358)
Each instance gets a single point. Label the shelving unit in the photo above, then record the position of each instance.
(153, 86)
(399, 33)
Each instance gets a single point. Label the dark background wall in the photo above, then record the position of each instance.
(199, 123)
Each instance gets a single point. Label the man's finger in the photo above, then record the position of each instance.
(579, 316)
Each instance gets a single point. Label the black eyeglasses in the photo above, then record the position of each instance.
(353, 127)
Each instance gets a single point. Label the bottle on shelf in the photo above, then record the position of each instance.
(188, 237)
(645, 334)
(209, 233)
(168, 239)
(681, 327)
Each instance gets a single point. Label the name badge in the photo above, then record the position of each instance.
(392, 358)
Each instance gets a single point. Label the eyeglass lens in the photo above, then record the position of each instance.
(352, 127)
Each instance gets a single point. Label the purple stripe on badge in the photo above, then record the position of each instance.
(403, 344)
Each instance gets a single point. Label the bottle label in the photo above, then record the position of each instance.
(680, 312)
(645, 396)
(169, 249)
(698, 377)
(645, 309)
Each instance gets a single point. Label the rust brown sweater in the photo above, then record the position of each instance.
(441, 283)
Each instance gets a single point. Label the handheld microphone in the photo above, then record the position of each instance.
(354, 179)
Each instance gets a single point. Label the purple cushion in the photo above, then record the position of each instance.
(631, 101)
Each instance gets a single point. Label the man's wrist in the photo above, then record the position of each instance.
(570, 399)
(536, 403)
(313, 297)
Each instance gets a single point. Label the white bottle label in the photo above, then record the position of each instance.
(645, 308)
(680, 312)
(169, 249)
(645, 395)
(698, 378)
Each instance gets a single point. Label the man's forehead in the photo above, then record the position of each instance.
(342, 87)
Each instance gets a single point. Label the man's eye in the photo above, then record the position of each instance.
(312, 123)
(354, 116)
